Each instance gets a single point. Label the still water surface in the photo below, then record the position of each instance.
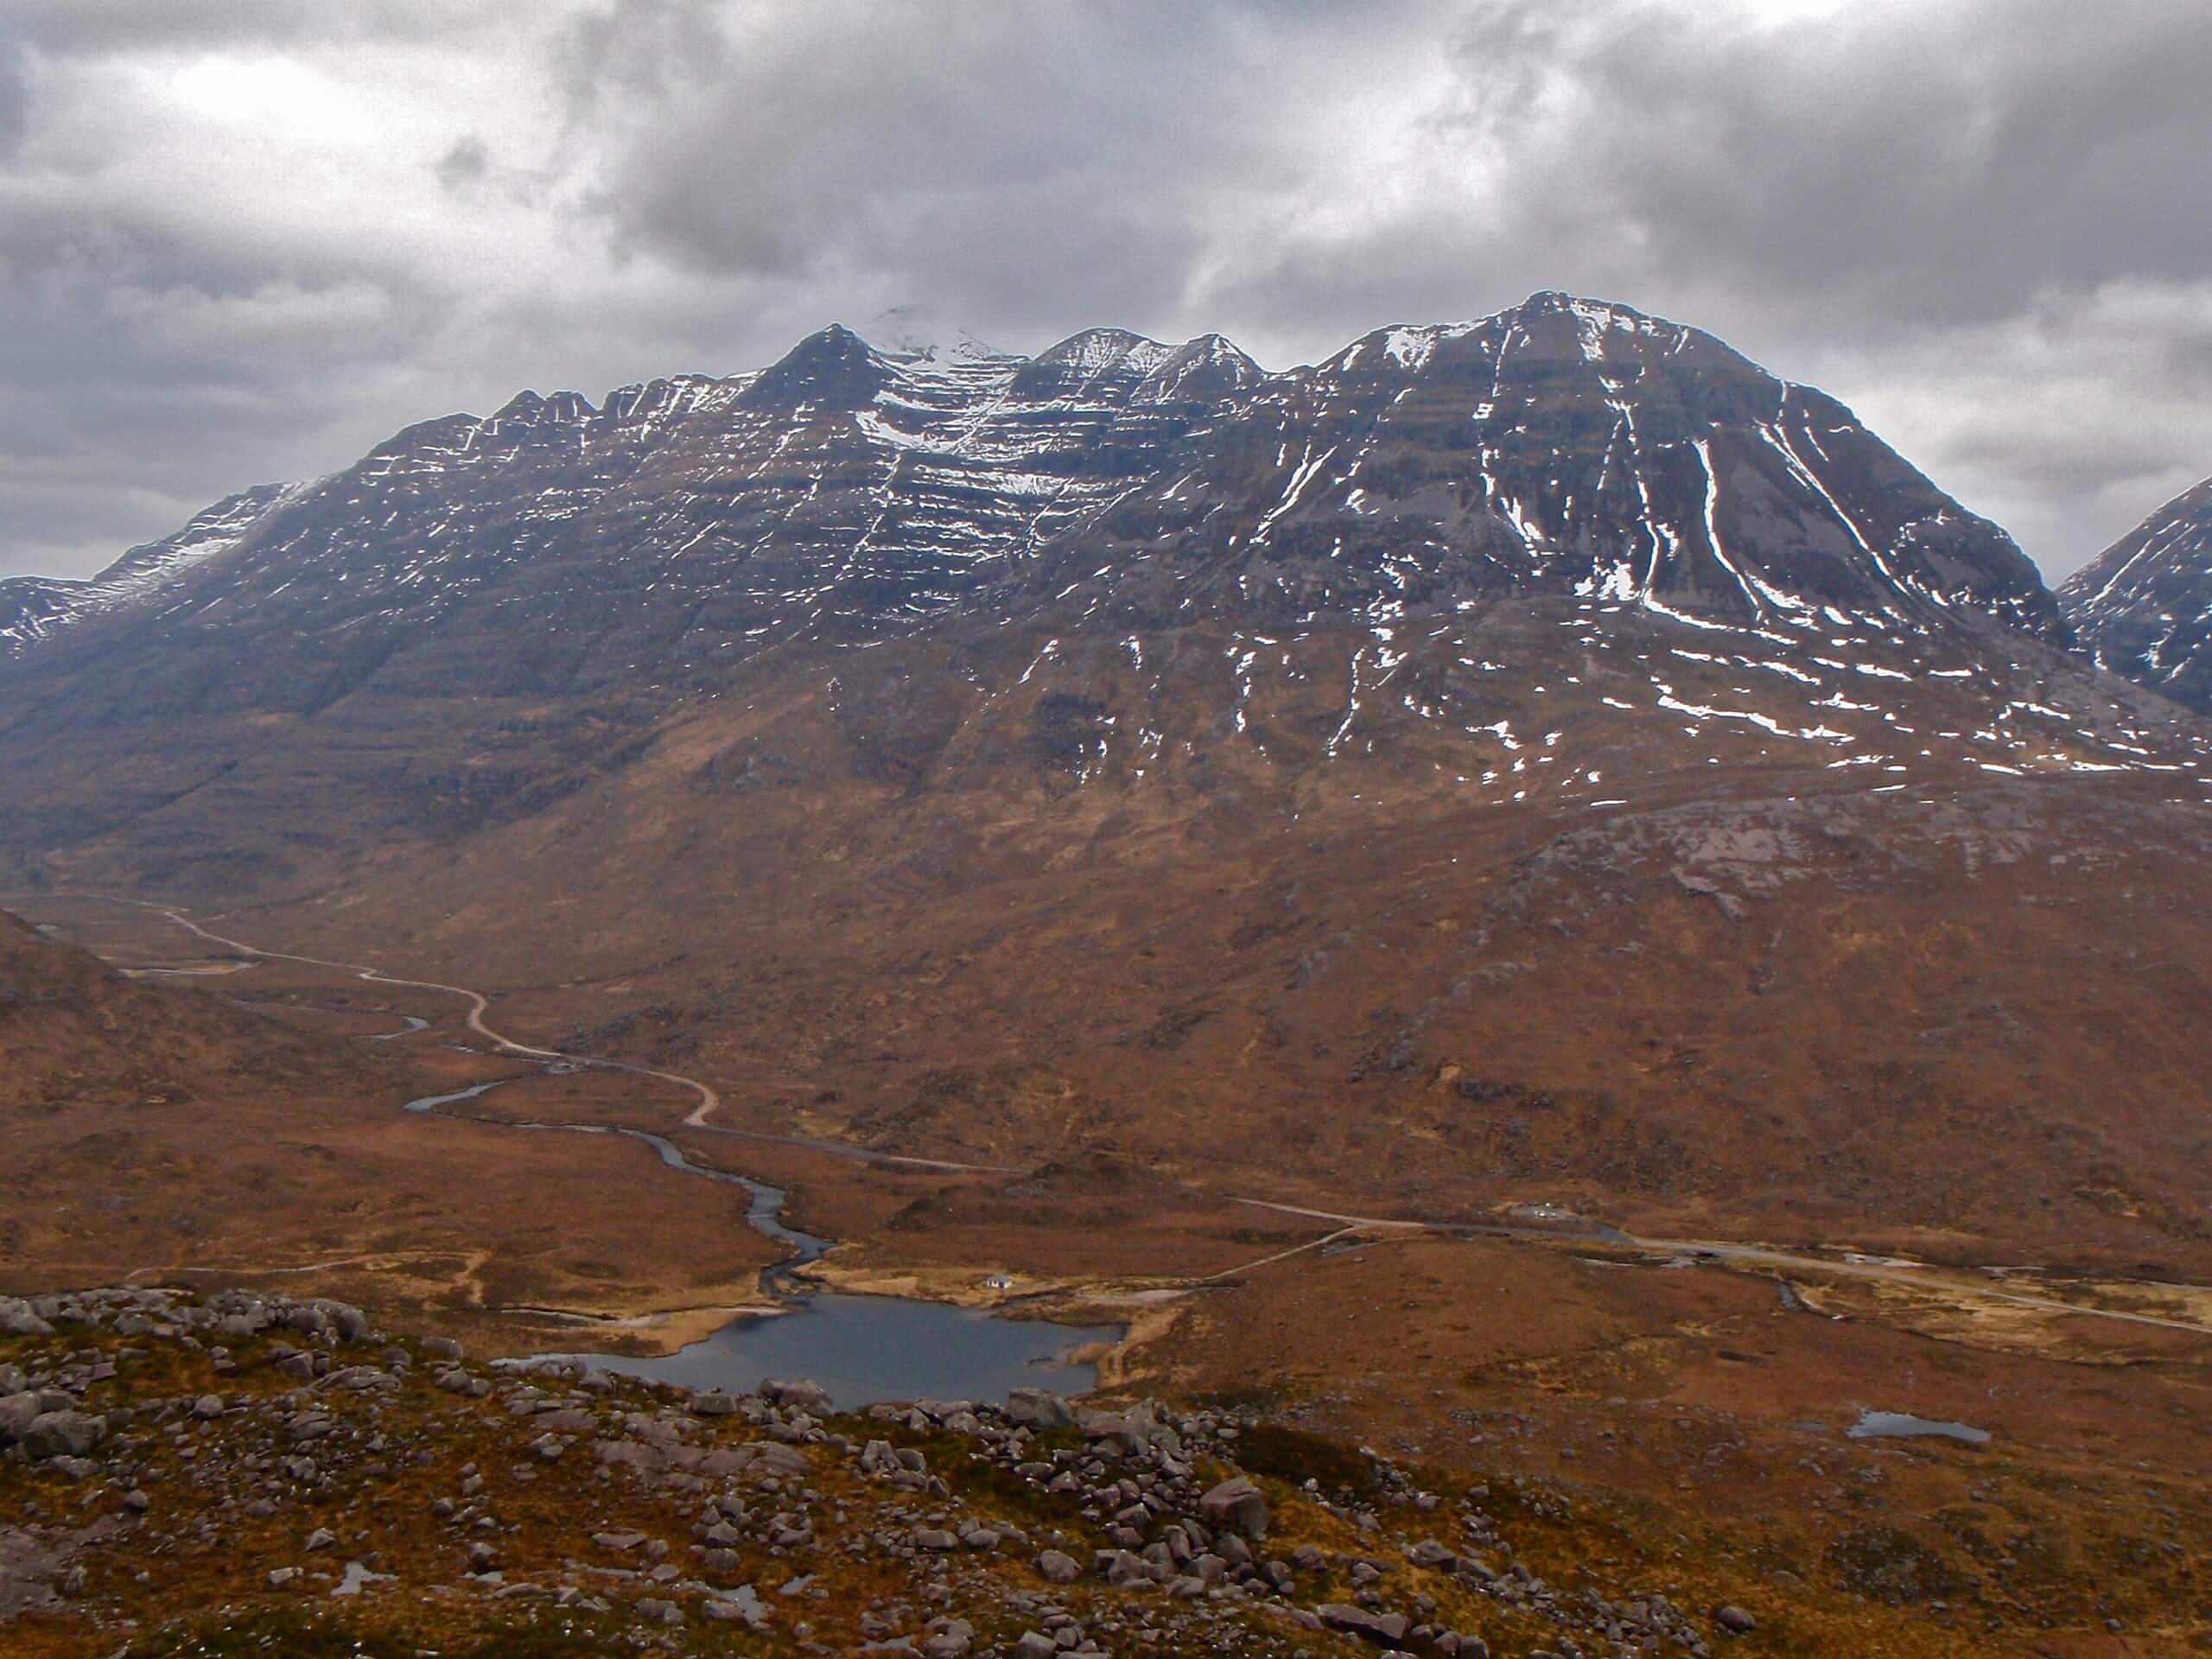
(862, 1349)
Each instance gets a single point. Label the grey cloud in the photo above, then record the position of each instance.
(15, 99)
(1049, 175)
(465, 164)
(87, 27)
(1885, 168)
(1985, 223)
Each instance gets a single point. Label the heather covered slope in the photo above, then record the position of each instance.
(76, 1034)
(253, 1472)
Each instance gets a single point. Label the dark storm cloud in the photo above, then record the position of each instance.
(241, 241)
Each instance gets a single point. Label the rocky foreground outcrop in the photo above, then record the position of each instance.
(252, 1463)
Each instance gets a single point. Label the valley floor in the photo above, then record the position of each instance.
(1662, 1413)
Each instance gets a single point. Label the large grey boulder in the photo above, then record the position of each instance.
(63, 1434)
(1236, 1503)
(17, 1413)
(18, 1319)
(740, 1607)
(1388, 1629)
(806, 1396)
(1038, 1408)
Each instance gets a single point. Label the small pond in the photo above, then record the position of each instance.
(1900, 1425)
(862, 1349)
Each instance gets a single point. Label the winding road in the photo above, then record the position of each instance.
(479, 1005)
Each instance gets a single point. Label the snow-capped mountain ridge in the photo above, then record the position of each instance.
(2143, 607)
(32, 607)
(1567, 445)
(1554, 559)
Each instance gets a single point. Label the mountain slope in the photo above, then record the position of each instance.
(2144, 606)
(73, 1032)
(1126, 747)
(1565, 446)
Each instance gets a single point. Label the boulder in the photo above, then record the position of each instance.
(740, 1607)
(1038, 1408)
(1057, 1567)
(17, 1412)
(1122, 1569)
(348, 1320)
(62, 1434)
(807, 1397)
(1388, 1629)
(1239, 1504)
(878, 1458)
(1429, 1553)
(1734, 1620)
(18, 1319)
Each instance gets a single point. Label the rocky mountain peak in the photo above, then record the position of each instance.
(2143, 607)
(831, 369)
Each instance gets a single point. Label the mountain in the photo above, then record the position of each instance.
(1542, 757)
(1563, 446)
(2143, 607)
(643, 551)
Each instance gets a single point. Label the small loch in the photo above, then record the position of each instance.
(1901, 1424)
(865, 1349)
(862, 1349)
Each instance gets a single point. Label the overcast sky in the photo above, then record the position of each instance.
(244, 242)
